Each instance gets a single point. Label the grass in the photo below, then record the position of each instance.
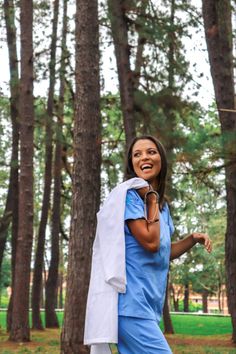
(46, 342)
(3, 318)
(193, 335)
(201, 325)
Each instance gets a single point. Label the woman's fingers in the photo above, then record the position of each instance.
(207, 243)
(204, 239)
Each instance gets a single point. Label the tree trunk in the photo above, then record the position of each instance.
(4, 224)
(53, 280)
(219, 293)
(186, 297)
(86, 175)
(39, 257)
(20, 312)
(119, 27)
(13, 191)
(218, 32)
(139, 60)
(205, 301)
(61, 274)
(175, 298)
(60, 291)
(171, 125)
(168, 327)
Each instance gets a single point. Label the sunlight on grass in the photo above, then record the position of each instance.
(201, 325)
(181, 349)
(194, 335)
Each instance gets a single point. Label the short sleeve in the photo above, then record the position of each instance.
(168, 219)
(133, 206)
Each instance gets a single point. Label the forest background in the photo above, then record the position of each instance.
(58, 47)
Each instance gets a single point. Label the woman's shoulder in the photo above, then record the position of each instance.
(132, 196)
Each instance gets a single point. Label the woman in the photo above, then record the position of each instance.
(148, 250)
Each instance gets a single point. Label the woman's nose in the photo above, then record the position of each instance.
(144, 156)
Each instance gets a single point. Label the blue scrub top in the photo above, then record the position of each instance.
(146, 272)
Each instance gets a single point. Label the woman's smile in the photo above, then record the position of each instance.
(146, 160)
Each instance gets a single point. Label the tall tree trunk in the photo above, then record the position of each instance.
(171, 123)
(219, 294)
(139, 60)
(205, 301)
(60, 292)
(175, 298)
(52, 280)
(119, 27)
(171, 48)
(86, 175)
(5, 221)
(13, 191)
(20, 312)
(61, 275)
(218, 32)
(186, 297)
(168, 327)
(39, 257)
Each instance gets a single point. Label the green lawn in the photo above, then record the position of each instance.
(3, 318)
(194, 334)
(183, 324)
(201, 325)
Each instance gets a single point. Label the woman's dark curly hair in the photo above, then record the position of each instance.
(161, 178)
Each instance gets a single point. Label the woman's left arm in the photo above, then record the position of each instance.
(180, 247)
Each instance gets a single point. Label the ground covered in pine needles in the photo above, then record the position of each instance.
(194, 335)
(48, 342)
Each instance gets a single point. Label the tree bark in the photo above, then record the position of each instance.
(52, 280)
(20, 312)
(39, 257)
(218, 32)
(139, 62)
(219, 293)
(186, 297)
(171, 121)
(86, 175)
(205, 301)
(13, 190)
(60, 291)
(119, 27)
(175, 298)
(168, 327)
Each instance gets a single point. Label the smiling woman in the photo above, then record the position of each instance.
(147, 228)
(148, 250)
(148, 151)
(146, 161)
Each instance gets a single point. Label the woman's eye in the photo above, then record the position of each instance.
(137, 154)
(152, 152)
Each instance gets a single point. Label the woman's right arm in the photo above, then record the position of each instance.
(147, 234)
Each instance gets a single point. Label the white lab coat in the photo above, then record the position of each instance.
(108, 274)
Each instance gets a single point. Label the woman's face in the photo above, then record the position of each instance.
(146, 161)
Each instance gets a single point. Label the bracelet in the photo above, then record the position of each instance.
(151, 221)
(150, 192)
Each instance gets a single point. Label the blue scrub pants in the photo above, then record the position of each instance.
(139, 336)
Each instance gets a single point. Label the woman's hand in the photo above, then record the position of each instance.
(180, 247)
(203, 239)
(143, 191)
(151, 197)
